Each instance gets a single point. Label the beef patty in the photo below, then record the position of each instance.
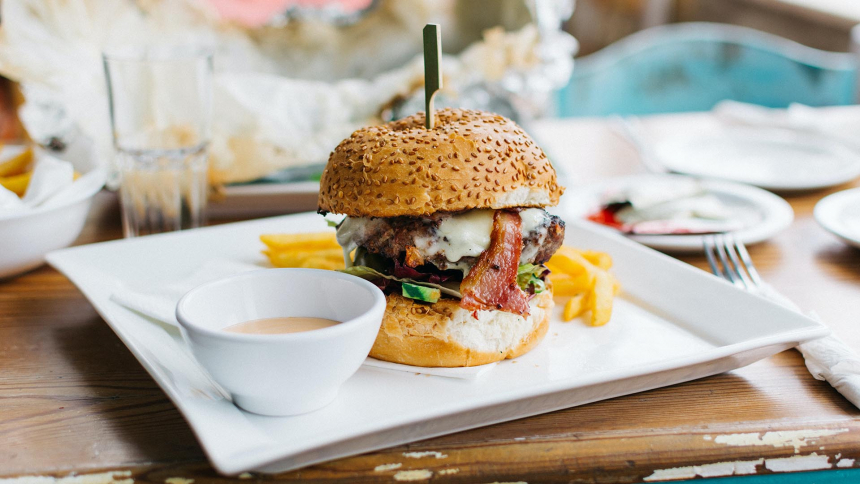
(397, 237)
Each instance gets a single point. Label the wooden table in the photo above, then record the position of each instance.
(74, 399)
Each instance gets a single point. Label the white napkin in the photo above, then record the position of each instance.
(839, 124)
(9, 202)
(52, 184)
(828, 359)
(49, 177)
(160, 304)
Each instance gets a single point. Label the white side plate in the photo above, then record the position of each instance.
(672, 323)
(779, 160)
(773, 213)
(839, 214)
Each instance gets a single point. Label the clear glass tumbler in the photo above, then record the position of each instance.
(161, 115)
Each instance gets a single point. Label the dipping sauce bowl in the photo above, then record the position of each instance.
(282, 374)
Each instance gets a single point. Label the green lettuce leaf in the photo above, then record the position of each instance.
(451, 288)
(530, 275)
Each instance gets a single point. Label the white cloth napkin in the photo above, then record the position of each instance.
(52, 184)
(828, 359)
(840, 124)
(160, 304)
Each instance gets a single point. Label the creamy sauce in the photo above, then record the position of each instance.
(280, 325)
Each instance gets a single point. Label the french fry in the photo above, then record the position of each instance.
(599, 259)
(322, 263)
(601, 301)
(584, 277)
(17, 183)
(564, 285)
(16, 165)
(616, 286)
(575, 306)
(302, 242)
(571, 263)
(300, 258)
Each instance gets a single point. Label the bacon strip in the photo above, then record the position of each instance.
(492, 282)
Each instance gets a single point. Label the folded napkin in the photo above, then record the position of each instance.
(839, 124)
(160, 304)
(828, 359)
(52, 184)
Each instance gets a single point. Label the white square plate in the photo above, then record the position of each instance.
(672, 323)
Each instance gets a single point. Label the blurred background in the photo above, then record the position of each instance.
(294, 77)
(822, 24)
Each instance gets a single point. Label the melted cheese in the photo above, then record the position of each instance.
(463, 235)
(468, 234)
(533, 218)
(350, 230)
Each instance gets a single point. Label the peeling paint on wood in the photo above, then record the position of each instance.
(418, 455)
(797, 463)
(178, 480)
(717, 469)
(416, 475)
(388, 467)
(114, 477)
(782, 438)
(447, 472)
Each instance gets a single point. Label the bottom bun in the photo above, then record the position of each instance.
(445, 335)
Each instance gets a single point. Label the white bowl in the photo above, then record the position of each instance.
(26, 237)
(282, 374)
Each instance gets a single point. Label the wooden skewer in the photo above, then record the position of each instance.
(432, 70)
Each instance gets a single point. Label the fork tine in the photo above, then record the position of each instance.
(730, 272)
(748, 264)
(709, 244)
(731, 246)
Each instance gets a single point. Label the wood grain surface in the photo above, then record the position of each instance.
(74, 399)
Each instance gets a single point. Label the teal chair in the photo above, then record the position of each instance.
(693, 66)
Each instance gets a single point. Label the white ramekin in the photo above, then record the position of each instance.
(284, 374)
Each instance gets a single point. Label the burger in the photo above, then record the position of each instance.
(450, 223)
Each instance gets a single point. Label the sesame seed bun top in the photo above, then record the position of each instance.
(471, 159)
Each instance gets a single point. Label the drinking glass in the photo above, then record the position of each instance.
(161, 116)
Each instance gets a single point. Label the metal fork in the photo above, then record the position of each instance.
(730, 260)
